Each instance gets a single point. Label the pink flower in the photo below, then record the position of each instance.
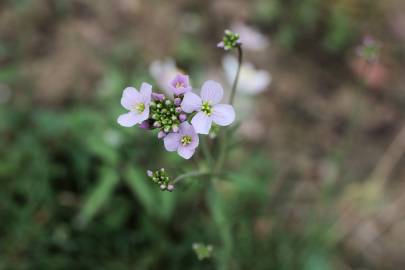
(207, 108)
(180, 85)
(184, 142)
(137, 103)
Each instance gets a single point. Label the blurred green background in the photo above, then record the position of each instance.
(315, 182)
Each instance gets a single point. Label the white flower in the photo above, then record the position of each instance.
(208, 108)
(163, 72)
(251, 80)
(251, 38)
(137, 104)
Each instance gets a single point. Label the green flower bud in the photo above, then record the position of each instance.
(161, 178)
(229, 41)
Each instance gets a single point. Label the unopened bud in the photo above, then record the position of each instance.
(158, 97)
(177, 101)
(175, 128)
(182, 117)
(161, 135)
(170, 187)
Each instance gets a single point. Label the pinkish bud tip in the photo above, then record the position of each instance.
(182, 117)
(170, 187)
(161, 134)
(177, 101)
(158, 97)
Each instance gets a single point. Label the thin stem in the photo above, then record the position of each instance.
(189, 174)
(222, 139)
(235, 82)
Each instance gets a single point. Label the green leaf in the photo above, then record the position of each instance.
(141, 188)
(98, 196)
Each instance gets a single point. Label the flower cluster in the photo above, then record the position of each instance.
(230, 41)
(369, 50)
(179, 118)
(203, 251)
(161, 178)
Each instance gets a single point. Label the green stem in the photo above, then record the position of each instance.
(235, 82)
(222, 139)
(189, 174)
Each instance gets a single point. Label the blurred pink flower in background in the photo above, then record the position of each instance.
(252, 81)
(163, 72)
(374, 75)
(368, 65)
(251, 38)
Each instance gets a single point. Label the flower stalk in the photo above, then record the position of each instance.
(190, 174)
(235, 82)
(223, 135)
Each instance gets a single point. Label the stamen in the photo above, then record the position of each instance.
(186, 140)
(140, 107)
(207, 108)
(179, 85)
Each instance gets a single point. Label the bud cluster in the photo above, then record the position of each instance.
(161, 178)
(230, 40)
(165, 115)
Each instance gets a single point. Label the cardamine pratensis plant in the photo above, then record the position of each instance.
(369, 50)
(181, 118)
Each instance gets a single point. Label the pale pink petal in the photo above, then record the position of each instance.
(223, 114)
(201, 123)
(130, 97)
(130, 119)
(146, 92)
(195, 140)
(172, 141)
(185, 152)
(191, 102)
(187, 129)
(145, 114)
(212, 92)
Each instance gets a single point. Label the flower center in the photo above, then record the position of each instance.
(207, 108)
(140, 107)
(186, 140)
(179, 85)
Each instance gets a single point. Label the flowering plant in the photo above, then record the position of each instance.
(182, 116)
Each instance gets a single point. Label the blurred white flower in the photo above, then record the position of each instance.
(163, 72)
(251, 38)
(251, 80)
